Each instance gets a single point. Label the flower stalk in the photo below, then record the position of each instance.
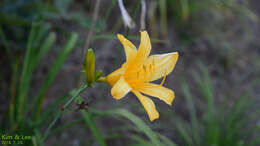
(76, 94)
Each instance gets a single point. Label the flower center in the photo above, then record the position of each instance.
(141, 75)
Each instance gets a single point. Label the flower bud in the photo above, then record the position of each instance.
(98, 74)
(89, 66)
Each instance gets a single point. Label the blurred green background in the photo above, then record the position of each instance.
(216, 79)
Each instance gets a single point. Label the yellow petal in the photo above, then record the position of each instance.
(161, 64)
(113, 77)
(120, 89)
(130, 49)
(149, 106)
(142, 53)
(145, 46)
(165, 94)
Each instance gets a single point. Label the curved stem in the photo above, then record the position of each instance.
(76, 94)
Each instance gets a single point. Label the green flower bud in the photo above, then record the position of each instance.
(89, 66)
(98, 74)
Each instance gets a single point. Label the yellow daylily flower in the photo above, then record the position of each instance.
(139, 70)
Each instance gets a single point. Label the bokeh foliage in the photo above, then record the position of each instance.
(30, 30)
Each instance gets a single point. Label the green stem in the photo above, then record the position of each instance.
(51, 125)
(76, 94)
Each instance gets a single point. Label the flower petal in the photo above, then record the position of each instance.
(165, 94)
(113, 77)
(145, 46)
(130, 49)
(161, 64)
(142, 53)
(149, 106)
(120, 89)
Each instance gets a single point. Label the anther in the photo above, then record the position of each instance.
(164, 78)
(144, 68)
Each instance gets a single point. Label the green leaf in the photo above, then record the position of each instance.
(10, 19)
(182, 129)
(64, 127)
(53, 73)
(37, 139)
(192, 111)
(93, 128)
(166, 140)
(45, 47)
(136, 120)
(141, 141)
(25, 77)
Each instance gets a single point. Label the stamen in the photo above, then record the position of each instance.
(164, 78)
(144, 68)
(150, 72)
